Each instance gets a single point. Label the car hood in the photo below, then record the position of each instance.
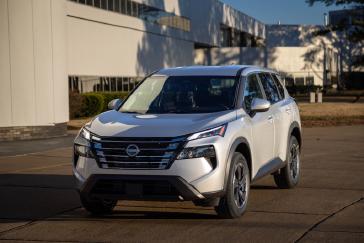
(118, 124)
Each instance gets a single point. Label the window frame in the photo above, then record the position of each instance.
(280, 82)
(268, 73)
(244, 86)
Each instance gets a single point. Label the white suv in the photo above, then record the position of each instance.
(196, 133)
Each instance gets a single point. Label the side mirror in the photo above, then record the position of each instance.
(260, 105)
(114, 104)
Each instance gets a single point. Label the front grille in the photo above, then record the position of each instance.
(154, 153)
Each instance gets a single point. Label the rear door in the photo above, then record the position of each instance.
(261, 122)
(285, 119)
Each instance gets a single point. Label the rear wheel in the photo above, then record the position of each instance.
(98, 206)
(288, 176)
(235, 201)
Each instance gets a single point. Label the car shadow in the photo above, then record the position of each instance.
(263, 187)
(27, 197)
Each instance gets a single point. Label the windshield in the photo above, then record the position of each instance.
(182, 94)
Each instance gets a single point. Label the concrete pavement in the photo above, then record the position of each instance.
(38, 202)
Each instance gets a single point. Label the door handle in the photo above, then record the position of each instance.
(270, 119)
(288, 110)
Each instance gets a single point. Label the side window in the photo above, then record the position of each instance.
(279, 85)
(251, 90)
(269, 87)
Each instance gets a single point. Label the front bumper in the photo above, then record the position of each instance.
(138, 187)
(180, 182)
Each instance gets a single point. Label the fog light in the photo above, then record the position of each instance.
(83, 151)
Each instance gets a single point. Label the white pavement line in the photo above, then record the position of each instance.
(340, 231)
(51, 156)
(314, 154)
(39, 168)
(33, 153)
(326, 218)
(283, 212)
(331, 188)
(34, 221)
(55, 241)
(38, 187)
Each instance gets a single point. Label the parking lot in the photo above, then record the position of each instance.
(38, 201)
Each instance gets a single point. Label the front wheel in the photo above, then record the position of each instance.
(98, 206)
(235, 201)
(288, 176)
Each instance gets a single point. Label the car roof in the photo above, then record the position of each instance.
(231, 70)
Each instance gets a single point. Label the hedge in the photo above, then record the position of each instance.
(302, 89)
(91, 104)
(76, 102)
(109, 96)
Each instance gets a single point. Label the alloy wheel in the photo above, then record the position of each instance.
(294, 161)
(240, 186)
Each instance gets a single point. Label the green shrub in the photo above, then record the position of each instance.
(302, 89)
(76, 101)
(92, 105)
(109, 96)
(345, 93)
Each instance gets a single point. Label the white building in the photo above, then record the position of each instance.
(48, 46)
(301, 56)
(289, 49)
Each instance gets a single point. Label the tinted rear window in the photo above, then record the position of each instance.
(279, 85)
(269, 87)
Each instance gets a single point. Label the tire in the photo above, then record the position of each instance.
(98, 206)
(235, 201)
(288, 176)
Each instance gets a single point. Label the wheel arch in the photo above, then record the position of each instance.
(241, 145)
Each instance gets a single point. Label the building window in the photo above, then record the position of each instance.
(117, 6)
(97, 3)
(113, 84)
(142, 11)
(310, 80)
(225, 36)
(231, 37)
(85, 84)
(123, 6)
(289, 81)
(119, 84)
(299, 81)
(104, 4)
(236, 38)
(128, 7)
(125, 84)
(135, 7)
(110, 5)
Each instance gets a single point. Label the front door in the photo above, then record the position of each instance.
(262, 124)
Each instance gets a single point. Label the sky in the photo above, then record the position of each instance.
(285, 11)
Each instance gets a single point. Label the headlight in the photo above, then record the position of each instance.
(82, 146)
(207, 152)
(85, 134)
(217, 131)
